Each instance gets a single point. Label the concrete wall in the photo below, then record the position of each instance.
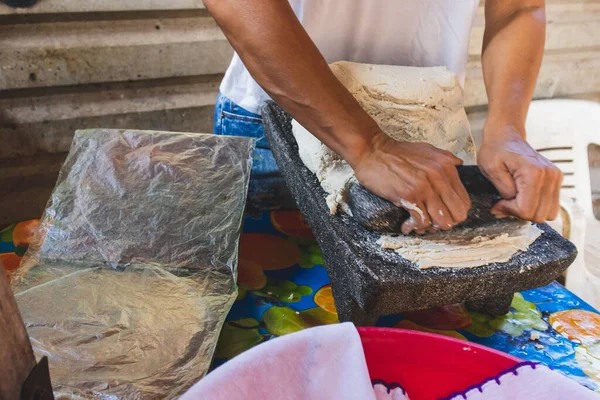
(69, 64)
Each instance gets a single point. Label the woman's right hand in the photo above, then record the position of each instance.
(417, 177)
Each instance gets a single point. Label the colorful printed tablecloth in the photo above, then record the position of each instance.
(285, 288)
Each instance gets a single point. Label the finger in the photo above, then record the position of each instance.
(462, 193)
(439, 213)
(499, 214)
(523, 206)
(530, 185)
(419, 220)
(416, 223)
(433, 229)
(544, 208)
(529, 188)
(503, 181)
(548, 197)
(498, 209)
(408, 226)
(443, 180)
(555, 209)
(505, 208)
(456, 199)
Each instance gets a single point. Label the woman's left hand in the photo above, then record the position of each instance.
(528, 182)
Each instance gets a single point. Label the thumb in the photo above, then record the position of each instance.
(408, 226)
(504, 182)
(504, 208)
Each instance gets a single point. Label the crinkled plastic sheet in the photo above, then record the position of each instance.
(133, 274)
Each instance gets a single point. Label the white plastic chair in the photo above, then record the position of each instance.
(562, 130)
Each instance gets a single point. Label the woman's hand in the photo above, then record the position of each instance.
(528, 182)
(417, 177)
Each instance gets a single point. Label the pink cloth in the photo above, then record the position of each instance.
(328, 362)
(527, 381)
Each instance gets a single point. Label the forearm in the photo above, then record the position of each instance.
(285, 62)
(512, 54)
(513, 48)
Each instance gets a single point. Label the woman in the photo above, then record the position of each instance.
(283, 50)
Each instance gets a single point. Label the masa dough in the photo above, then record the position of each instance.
(467, 247)
(408, 103)
(417, 105)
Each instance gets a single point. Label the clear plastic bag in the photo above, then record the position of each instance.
(133, 273)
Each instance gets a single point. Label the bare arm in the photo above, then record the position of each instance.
(283, 59)
(513, 48)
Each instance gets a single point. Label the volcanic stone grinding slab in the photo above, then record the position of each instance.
(369, 281)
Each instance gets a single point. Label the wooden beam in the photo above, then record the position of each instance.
(77, 6)
(43, 121)
(85, 52)
(563, 73)
(16, 355)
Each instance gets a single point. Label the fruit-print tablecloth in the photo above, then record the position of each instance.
(283, 288)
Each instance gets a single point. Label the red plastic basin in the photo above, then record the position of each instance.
(429, 366)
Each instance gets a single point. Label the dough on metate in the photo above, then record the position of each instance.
(465, 247)
(416, 105)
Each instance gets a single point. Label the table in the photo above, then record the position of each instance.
(285, 288)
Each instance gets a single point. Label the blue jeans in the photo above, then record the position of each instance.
(267, 189)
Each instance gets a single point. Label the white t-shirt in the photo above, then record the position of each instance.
(420, 33)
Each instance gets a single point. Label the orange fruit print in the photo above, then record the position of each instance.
(577, 325)
(291, 223)
(24, 232)
(324, 299)
(270, 252)
(448, 317)
(251, 275)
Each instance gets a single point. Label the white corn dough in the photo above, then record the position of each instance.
(465, 248)
(416, 105)
(408, 103)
